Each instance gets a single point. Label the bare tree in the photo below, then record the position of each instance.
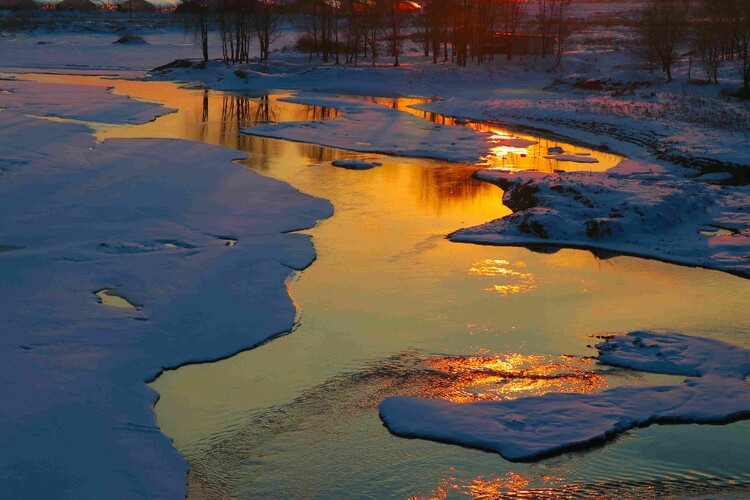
(545, 16)
(234, 20)
(661, 28)
(562, 28)
(396, 24)
(512, 13)
(266, 23)
(740, 10)
(711, 33)
(203, 13)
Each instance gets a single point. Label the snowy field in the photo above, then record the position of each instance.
(105, 247)
(111, 254)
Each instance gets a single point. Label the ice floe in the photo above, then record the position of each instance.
(375, 128)
(355, 164)
(528, 428)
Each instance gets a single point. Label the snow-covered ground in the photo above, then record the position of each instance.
(714, 392)
(375, 128)
(633, 208)
(119, 260)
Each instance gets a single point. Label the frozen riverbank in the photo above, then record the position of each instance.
(145, 222)
(632, 209)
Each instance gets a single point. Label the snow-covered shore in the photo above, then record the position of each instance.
(115, 267)
(632, 209)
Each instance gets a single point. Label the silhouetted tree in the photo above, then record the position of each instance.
(266, 22)
(661, 28)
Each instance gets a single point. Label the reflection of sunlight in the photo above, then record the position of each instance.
(511, 485)
(487, 378)
(521, 282)
(509, 156)
(110, 299)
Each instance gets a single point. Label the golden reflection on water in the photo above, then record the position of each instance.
(217, 117)
(516, 281)
(510, 376)
(481, 488)
(108, 298)
(510, 156)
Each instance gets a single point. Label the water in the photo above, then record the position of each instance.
(392, 307)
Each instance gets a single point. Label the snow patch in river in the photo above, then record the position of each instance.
(528, 428)
(355, 164)
(375, 128)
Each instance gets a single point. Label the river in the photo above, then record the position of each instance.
(392, 307)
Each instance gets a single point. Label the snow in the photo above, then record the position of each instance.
(375, 128)
(355, 164)
(76, 102)
(90, 47)
(115, 266)
(530, 428)
(636, 210)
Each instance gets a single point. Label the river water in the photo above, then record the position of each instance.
(391, 307)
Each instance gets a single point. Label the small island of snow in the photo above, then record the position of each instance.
(529, 428)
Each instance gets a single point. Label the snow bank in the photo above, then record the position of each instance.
(633, 210)
(147, 221)
(76, 102)
(529, 428)
(375, 128)
(67, 49)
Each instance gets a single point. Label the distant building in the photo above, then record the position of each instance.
(522, 44)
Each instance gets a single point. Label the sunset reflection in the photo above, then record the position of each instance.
(215, 117)
(501, 152)
(509, 376)
(480, 488)
(518, 281)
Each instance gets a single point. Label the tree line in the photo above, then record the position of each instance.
(348, 31)
(712, 31)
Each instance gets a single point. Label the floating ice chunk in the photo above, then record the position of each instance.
(528, 428)
(356, 164)
(108, 297)
(572, 158)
